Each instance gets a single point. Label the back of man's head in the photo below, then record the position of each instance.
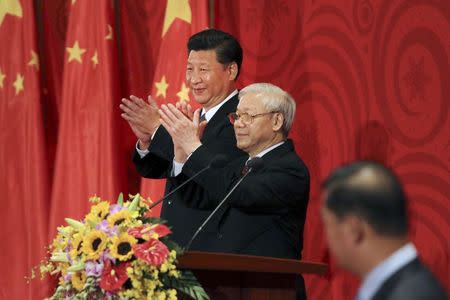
(371, 192)
(228, 49)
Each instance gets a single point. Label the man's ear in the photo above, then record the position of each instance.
(356, 229)
(232, 71)
(277, 121)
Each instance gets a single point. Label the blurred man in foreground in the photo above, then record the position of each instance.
(365, 218)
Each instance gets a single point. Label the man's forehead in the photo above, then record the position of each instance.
(249, 102)
(202, 56)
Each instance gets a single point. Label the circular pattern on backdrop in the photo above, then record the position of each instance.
(409, 75)
(363, 15)
(265, 29)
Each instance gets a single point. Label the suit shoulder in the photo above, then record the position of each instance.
(420, 285)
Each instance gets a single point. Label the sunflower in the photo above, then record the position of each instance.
(98, 212)
(121, 247)
(94, 243)
(77, 243)
(122, 217)
(78, 280)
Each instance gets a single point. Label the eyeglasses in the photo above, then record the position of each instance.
(247, 119)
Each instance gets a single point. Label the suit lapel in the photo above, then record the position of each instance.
(219, 118)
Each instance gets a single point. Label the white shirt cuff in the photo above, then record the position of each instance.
(141, 153)
(176, 168)
(144, 152)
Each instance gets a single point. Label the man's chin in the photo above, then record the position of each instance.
(200, 97)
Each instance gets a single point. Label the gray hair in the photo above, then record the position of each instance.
(273, 99)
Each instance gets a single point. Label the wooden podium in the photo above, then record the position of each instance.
(233, 276)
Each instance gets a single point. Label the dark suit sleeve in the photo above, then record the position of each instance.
(158, 162)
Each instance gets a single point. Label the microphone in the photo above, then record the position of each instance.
(219, 161)
(253, 164)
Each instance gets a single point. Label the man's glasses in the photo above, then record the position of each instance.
(245, 118)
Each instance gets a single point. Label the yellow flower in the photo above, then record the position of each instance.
(98, 212)
(121, 247)
(123, 217)
(160, 295)
(174, 273)
(172, 294)
(78, 280)
(77, 243)
(94, 243)
(164, 267)
(95, 199)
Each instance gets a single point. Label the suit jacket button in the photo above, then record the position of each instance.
(219, 235)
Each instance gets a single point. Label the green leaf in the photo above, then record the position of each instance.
(120, 199)
(186, 284)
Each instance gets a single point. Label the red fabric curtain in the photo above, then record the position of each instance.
(24, 185)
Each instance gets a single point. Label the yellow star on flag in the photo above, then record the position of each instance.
(34, 61)
(109, 36)
(11, 7)
(73, 2)
(161, 87)
(94, 59)
(18, 83)
(176, 9)
(2, 77)
(75, 52)
(183, 94)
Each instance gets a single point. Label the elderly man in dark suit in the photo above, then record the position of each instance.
(213, 65)
(365, 218)
(266, 213)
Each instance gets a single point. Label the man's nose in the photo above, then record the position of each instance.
(195, 77)
(238, 123)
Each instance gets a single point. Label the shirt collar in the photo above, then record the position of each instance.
(373, 281)
(212, 111)
(265, 151)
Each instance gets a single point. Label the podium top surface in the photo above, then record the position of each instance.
(197, 260)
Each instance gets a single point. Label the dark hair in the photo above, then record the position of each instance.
(228, 49)
(370, 191)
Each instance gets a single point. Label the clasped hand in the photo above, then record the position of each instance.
(184, 127)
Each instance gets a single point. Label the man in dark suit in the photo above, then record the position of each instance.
(365, 218)
(214, 60)
(266, 213)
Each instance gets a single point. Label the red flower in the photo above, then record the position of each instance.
(146, 232)
(152, 252)
(113, 277)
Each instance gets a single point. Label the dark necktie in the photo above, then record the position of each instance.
(245, 169)
(203, 117)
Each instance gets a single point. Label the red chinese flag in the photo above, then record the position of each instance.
(181, 20)
(54, 15)
(88, 157)
(24, 186)
(141, 25)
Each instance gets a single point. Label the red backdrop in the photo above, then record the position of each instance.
(370, 77)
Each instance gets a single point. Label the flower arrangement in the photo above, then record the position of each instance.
(118, 252)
